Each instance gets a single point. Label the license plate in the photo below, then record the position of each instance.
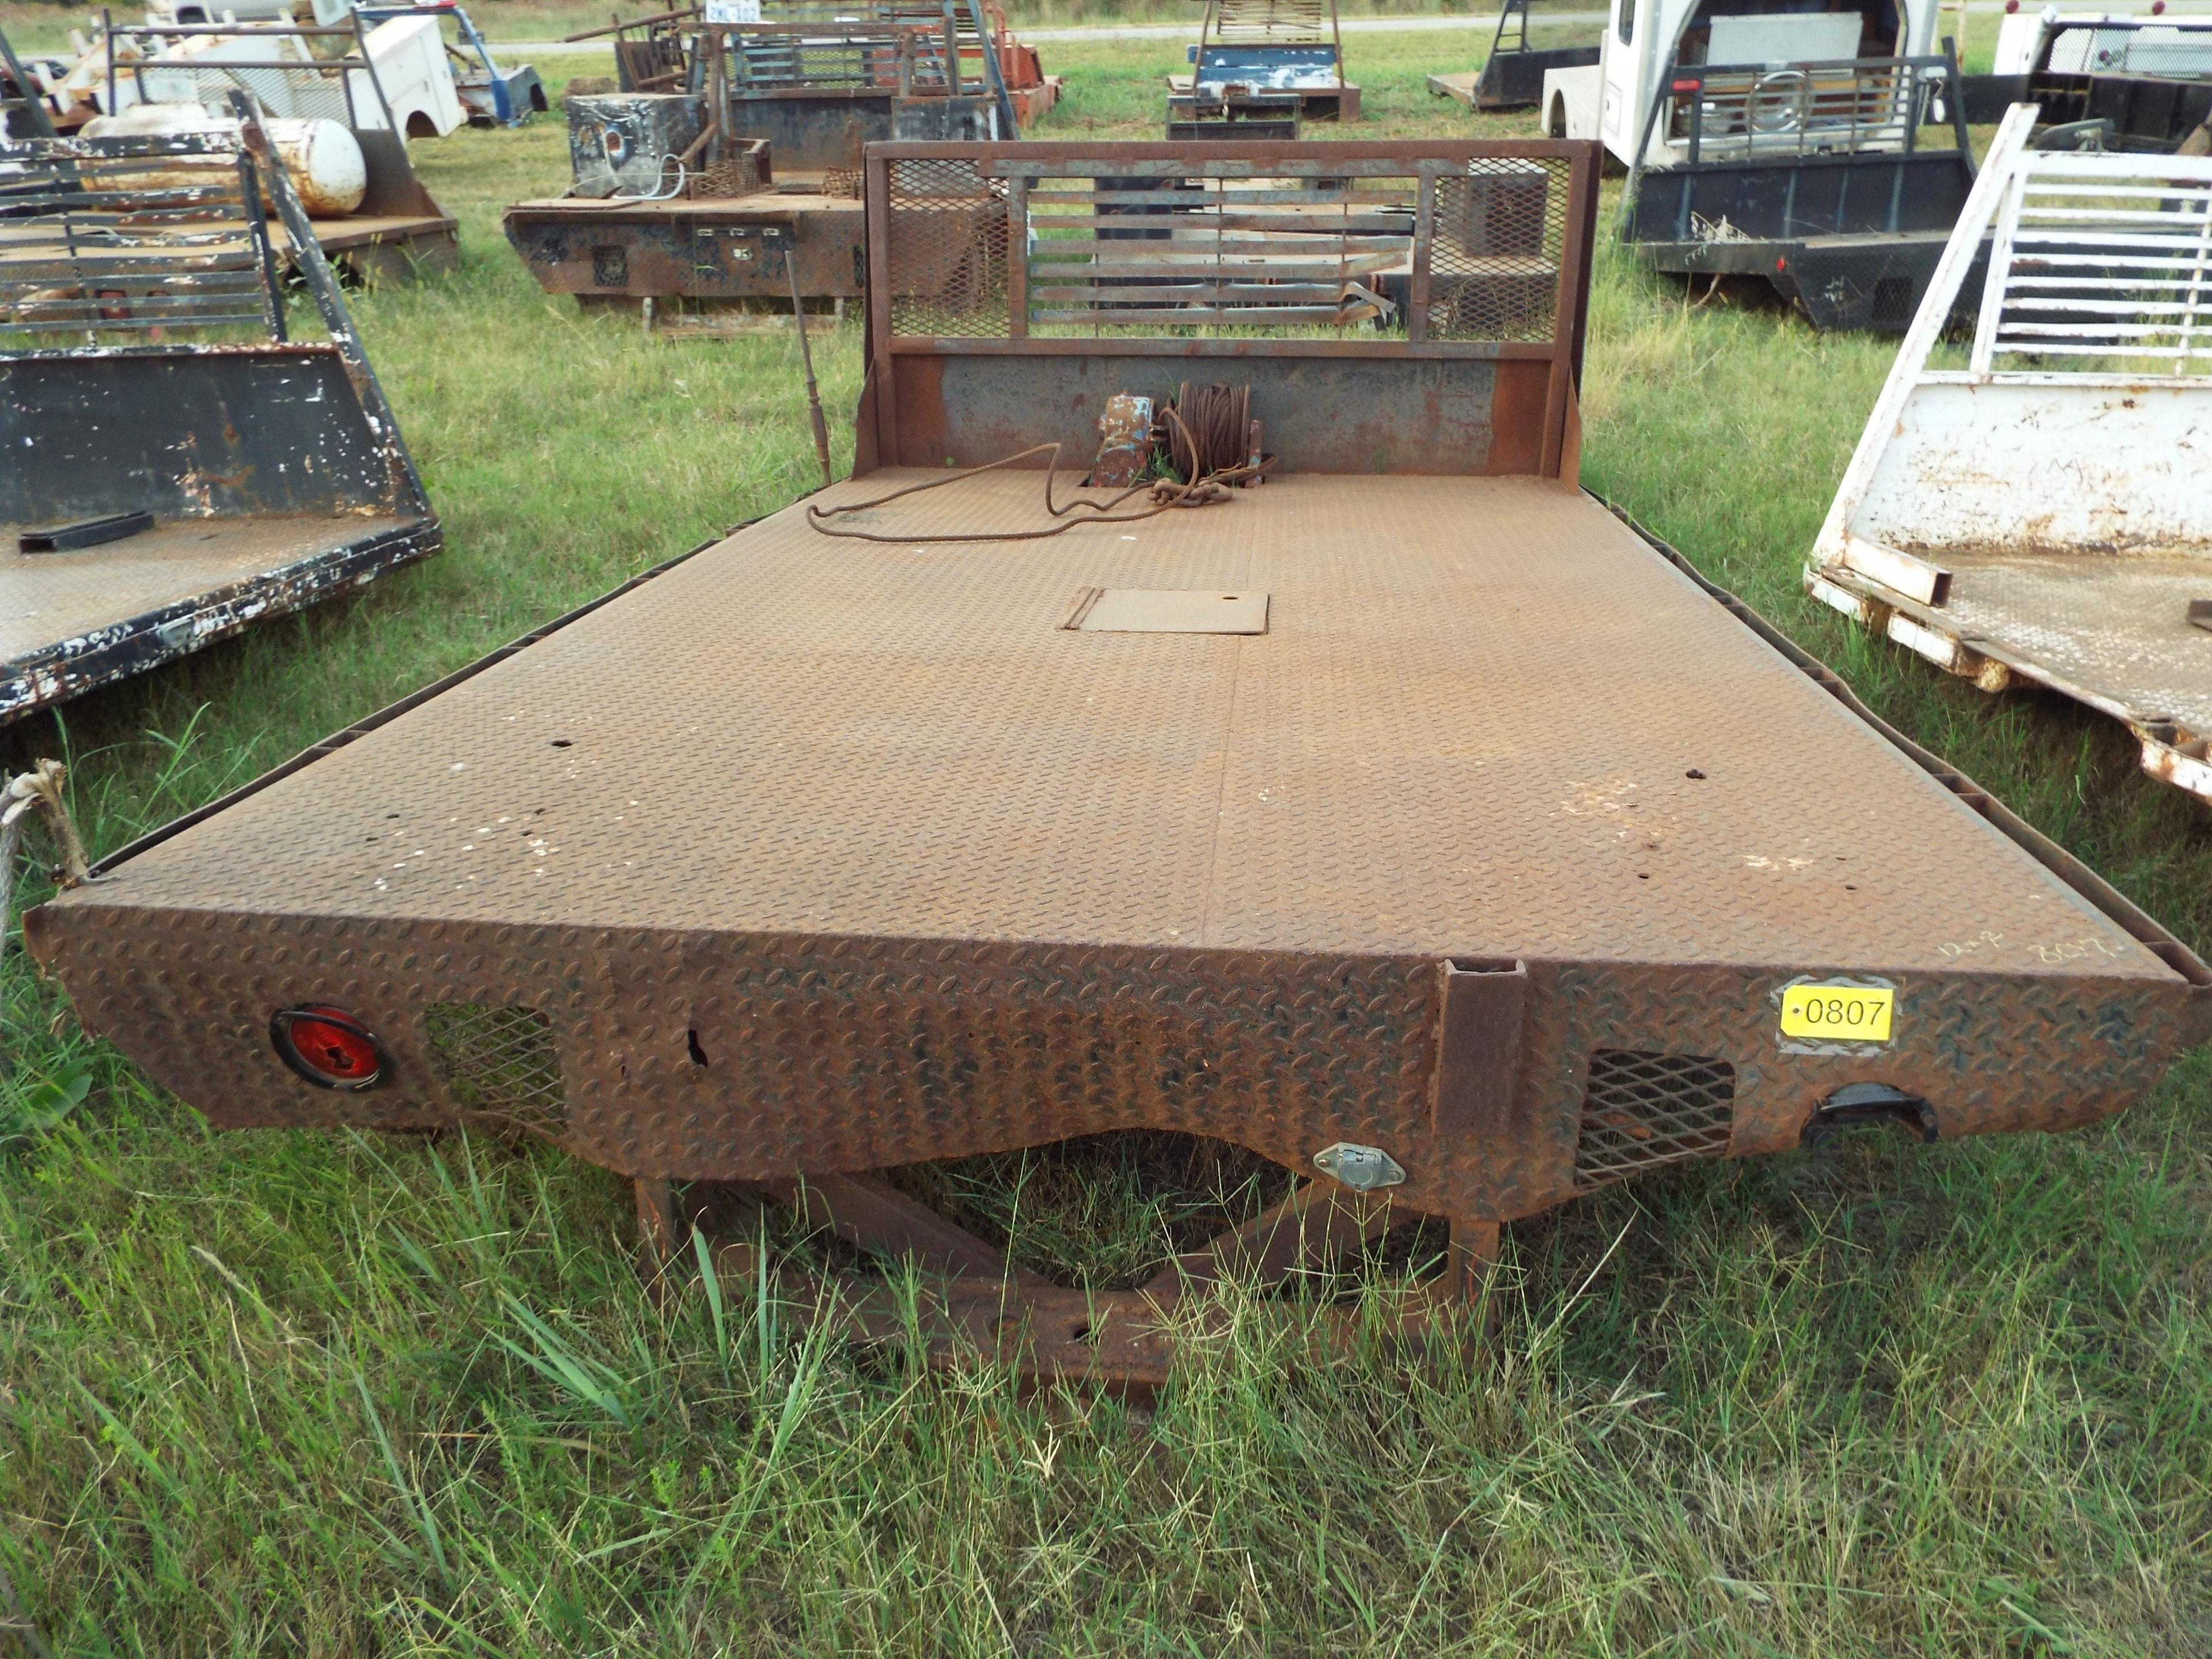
(1848, 1013)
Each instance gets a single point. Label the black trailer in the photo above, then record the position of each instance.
(1820, 179)
(181, 466)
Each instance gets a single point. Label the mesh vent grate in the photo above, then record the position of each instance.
(1643, 1110)
(948, 251)
(501, 1060)
(1494, 265)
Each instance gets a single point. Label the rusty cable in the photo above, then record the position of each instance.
(1208, 490)
(1209, 430)
(1167, 497)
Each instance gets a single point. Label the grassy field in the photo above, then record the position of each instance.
(278, 1394)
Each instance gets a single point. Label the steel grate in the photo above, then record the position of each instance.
(1642, 1111)
(133, 235)
(501, 1060)
(2100, 264)
(1494, 262)
(948, 251)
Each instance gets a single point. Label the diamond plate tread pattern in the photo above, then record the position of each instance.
(922, 873)
(1467, 730)
(47, 598)
(2115, 624)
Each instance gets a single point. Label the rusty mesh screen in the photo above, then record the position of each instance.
(948, 249)
(1641, 1110)
(500, 1059)
(1494, 255)
(1403, 248)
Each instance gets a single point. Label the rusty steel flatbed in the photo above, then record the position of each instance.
(1488, 863)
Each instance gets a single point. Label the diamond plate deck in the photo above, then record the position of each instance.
(919, 871)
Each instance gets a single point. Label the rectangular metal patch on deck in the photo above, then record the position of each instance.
(1167, 611)
(1849, 1013)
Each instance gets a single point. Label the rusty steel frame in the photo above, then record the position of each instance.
(841, 985)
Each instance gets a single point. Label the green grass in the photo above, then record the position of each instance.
(315, 1394)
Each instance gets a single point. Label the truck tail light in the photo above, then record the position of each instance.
(328, 1047)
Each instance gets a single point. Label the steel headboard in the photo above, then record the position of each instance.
(1404, 306)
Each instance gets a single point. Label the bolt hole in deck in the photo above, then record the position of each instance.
(934, 879)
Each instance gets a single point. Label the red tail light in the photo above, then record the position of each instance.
(328, 1047)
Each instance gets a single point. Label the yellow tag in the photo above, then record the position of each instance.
(1850, 1013)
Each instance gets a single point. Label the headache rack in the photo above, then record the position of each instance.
(160, 495)
(1042, 270)
(1405, 820)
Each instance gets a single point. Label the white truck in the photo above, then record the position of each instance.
(1611, 100)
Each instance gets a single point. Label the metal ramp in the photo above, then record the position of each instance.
(2042, 514)
(161, 495)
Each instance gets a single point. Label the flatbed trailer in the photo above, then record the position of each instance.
(1410, 820)
(238, 479)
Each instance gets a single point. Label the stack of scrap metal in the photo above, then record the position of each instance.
(736, 178)
(2044, 514)
(180, 464)
(1259, 68)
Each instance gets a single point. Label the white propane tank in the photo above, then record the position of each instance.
(324, 160)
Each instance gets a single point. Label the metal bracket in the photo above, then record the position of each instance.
(1483, 1006)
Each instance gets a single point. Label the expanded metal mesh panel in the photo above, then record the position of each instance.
(1494, 261)
(2176, 51)
(949, 245)
(1407, 249)
(2102, 264)
(501, 1060)
(1642, 1111)
(131, 235)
